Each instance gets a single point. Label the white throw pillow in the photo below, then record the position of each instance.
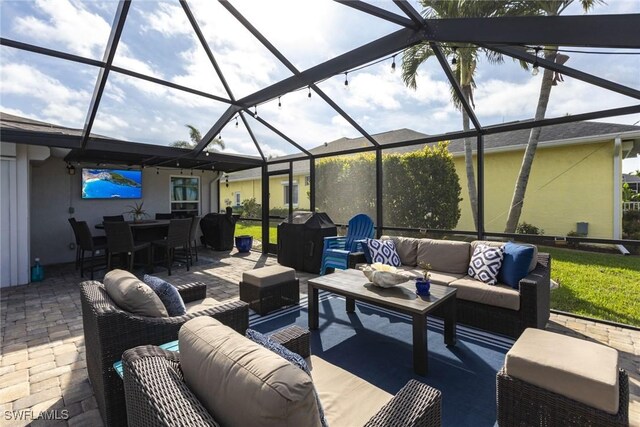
(485, 263)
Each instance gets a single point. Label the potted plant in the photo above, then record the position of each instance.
(137, 212)
(423, 284)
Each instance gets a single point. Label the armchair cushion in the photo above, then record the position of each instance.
(240, 382)
(168, 294)
(132, 295)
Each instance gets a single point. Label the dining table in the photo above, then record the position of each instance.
(146, 230)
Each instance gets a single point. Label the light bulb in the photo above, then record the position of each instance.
(393, 64)
(346, 80)
(535, 70)
(309, 96)
(279, 103)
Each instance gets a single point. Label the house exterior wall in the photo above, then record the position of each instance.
(54, 192)
(253, 188)
(568, 184)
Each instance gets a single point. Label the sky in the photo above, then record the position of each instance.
(158, 41)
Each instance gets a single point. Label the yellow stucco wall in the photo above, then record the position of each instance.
(568, 184)
(253, 189)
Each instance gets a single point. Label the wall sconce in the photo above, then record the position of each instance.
(71, 170)
(226, 181)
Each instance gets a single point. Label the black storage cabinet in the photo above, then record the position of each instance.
(300, 241)
(218, 230)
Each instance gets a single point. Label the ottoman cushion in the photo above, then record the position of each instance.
(575, 368)
(269, 276)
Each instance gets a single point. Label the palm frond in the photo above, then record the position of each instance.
(412, 58)
(194, 134)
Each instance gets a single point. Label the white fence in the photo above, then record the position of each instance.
(630, 206)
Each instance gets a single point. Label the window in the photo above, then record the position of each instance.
(286, 193)
(185, 195)
(236, 197)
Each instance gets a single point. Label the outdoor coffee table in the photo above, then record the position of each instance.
(353, 285)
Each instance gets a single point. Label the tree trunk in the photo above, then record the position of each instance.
(527, 161)
(468, 160)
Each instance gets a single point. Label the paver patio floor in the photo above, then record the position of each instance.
(42, 361)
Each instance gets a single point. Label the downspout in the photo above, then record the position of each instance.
(214, 185)
(617, 193)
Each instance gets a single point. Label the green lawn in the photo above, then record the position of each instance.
(604, 286)
(255, 229)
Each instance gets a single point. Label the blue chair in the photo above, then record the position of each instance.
(335, 253)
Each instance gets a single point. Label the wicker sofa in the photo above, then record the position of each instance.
(500, 308)
(157, 393)
(109, 331)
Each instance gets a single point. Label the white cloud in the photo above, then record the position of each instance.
(68, 23)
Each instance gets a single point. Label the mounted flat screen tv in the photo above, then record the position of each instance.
(111, 184)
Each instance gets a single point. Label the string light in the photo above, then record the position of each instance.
(279, 103)
(346, 80)
(454, 60)
(236, 122)
(220, 136)
(255, 111)
(180, 171)
(206, 153)
(535, 70)
(157, 171)
(309, 95)
(393, 64)
(177, 164)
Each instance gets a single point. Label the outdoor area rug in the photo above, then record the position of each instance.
(375, 344)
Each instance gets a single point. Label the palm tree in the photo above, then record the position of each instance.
(549, 79)
(466, 60)
(195, 136)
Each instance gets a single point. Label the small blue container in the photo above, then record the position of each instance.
(244, 243)
(422, 287)
(37, 272)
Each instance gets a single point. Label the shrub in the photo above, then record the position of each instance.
(251, 209)
(631, 229)
(526, 228)
(421, 189)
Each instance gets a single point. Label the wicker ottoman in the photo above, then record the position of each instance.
(551, 379)
(269, 288)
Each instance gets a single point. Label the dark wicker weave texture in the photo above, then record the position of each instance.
(534, 303)
(523, 404)
(294, 338)
(109, 331)
(157, 396)
(263, 299)
(155, 391)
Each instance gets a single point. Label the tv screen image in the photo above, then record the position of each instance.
(111, 184)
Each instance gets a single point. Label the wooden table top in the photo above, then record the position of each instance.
(148, 223)
(352, 283)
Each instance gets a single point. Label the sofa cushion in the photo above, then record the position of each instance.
(168, 294)
(242, 383)
(447, 256)
(200, 305)
(347, 399)
(498, 295)
(407, 249)
(133, 295)
(485, 264)
(383, 251)
(575, 368)
(515, 265)
(287, 355)
(534, 259)
(437, 277)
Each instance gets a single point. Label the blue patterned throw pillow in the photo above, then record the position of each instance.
(287, 355)
(383, 251)
(168, 294)
(485, 264)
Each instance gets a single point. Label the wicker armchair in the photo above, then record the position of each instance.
(109, 331)
(157, 395)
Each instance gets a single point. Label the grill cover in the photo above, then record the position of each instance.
(218, 230)
(300, 241)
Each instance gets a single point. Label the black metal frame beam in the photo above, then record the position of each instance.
(274, 51)
(282, 135)
(409, 10)
(103, 74)
(608, 31)
(520, 53)
(455, 84)
(212, 59)
(216, 128)
(362, 55)
(379, 13)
